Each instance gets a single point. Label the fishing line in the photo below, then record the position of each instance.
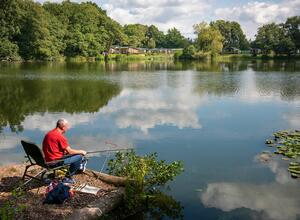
(108, 155)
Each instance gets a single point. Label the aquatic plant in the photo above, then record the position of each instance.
(287, 143)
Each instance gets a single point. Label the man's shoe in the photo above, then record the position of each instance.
(83, 166)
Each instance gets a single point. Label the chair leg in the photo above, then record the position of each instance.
(25, 172)
(35, 177)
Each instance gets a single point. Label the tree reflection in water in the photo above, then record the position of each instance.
(22, 97)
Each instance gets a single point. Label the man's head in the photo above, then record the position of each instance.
(63, 125)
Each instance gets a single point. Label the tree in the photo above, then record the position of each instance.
(188, 52)
(233, 35)
(136, 34)
(292, 25)
(41, 34)
(10, 17)
(174, 39)
(273, 37)
(154, 37)
(89, 31)
(8, 50)
(209, 38)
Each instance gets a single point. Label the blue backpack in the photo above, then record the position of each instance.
(58, 194)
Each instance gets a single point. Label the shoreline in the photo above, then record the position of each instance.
(156, 57)
(27, 204)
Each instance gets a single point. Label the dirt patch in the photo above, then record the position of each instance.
(31, 200)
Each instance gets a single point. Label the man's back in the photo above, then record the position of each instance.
(54, 145)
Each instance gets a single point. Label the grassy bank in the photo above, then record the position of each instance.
(140, 56)
(233, 57)
(121, 57)
(228, 57)
(109, 57)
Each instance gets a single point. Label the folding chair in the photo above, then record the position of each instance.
(36, 157)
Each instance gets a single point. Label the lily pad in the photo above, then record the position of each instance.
(287, 143)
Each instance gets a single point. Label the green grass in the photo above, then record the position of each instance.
(121, 57)
(227, 57)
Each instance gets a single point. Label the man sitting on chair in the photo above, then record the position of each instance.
(56, 147)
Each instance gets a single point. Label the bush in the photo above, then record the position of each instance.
(8, 50)
(177, 54)
(144, 174)
(188, 52)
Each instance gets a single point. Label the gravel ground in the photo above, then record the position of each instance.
(30, 201)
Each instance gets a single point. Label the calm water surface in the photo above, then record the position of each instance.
(213, 117)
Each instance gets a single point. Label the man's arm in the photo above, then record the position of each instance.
(73, 151)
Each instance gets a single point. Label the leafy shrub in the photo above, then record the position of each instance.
(144, 174)
(188, 52)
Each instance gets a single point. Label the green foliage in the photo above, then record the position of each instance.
(277, 38)
(292, 26)
(154, 37)
(144, 173)
(177, 54)
(136, 34)
(52, 30)
(233, 35)
(8, 50)
(287, 143)
(188, 52)
(10, 210)
(144, 169)
(209, 38)
(174, 39)
(10, 17)
(150, 37)
(89, 31)
(41, 34)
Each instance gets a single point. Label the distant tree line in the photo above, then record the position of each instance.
(49, 31)
(271, 39)
(280, 39)
(30, 30)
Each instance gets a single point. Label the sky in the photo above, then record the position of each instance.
(183, 14)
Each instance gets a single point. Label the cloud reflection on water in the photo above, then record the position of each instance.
(9, 152)
(230, 196)
(148, 108)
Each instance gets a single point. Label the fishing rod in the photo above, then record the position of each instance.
(108, 150)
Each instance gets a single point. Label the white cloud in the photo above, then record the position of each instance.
(146, 108)
(183, 14)
(165, 13)
(253, 14)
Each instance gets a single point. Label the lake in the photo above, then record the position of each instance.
(215, 117)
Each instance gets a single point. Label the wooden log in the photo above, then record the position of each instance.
(99, 207)
(115, 180)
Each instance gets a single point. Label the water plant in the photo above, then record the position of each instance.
(287, 143)
(145, 176)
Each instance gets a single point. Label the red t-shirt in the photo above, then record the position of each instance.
(54, 145)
